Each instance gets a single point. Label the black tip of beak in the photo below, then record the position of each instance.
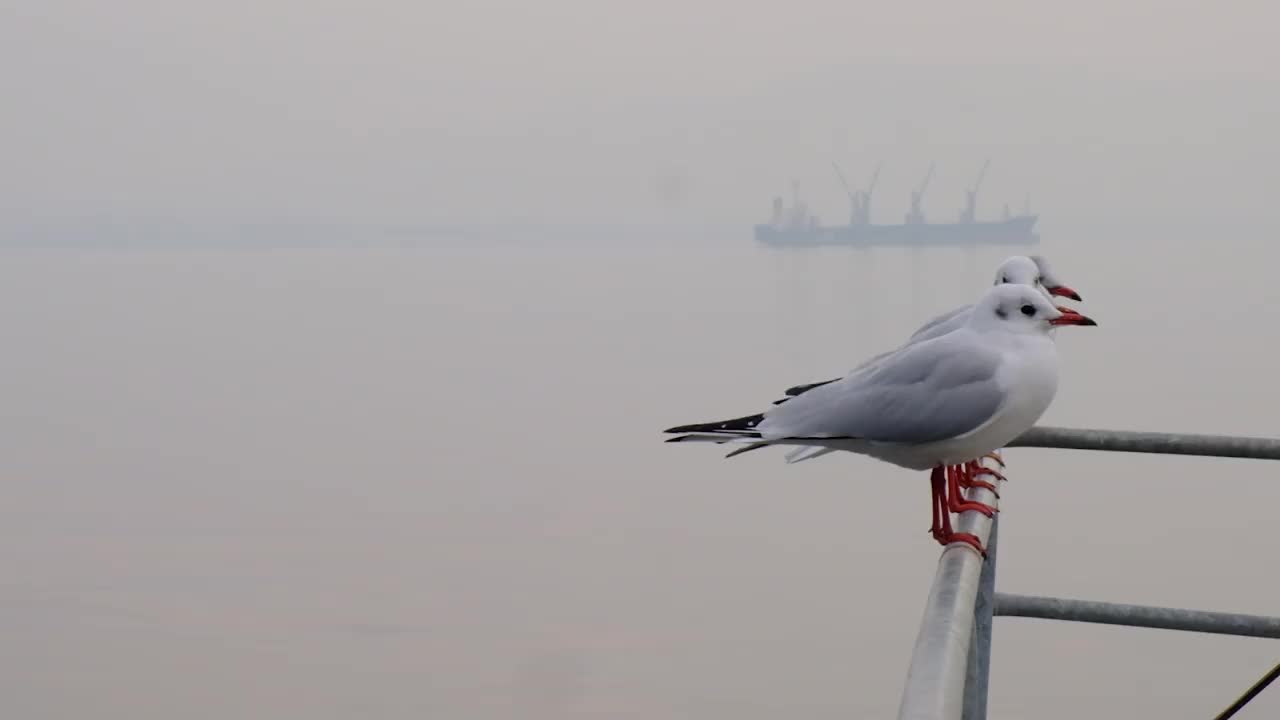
(1066, 292)
(1072, 317)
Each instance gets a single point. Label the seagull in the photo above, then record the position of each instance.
(1031, 270)
(1049, 279)
(1017, 270)
(931, 404)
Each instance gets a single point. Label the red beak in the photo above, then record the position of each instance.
(1064, 291)
(1071, 317)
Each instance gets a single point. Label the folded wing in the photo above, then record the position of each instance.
(929, 391)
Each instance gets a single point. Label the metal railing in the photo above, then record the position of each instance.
(948, 676)
(939, 664)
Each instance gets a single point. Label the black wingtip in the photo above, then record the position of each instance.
(744, 424)
(801, 389)
(702, 437)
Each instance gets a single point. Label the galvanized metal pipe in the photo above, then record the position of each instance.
(936, 678)
(978, 668)
(1164, 618)
(1150, 442)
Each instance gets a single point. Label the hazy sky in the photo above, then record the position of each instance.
(568, 110)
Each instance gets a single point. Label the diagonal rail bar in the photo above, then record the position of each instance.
(978, 670)
(936, 679)
(1164, 618)
(1150, 442)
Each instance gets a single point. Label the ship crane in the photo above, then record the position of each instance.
(855, 199)
(865, 196)
(916, 216)
(969, 214)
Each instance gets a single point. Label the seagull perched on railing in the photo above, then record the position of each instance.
(928, 405)
(1030, 270)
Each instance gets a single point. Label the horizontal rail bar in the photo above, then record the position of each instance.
(1150, 442)
(936, 678)
(1163, 618)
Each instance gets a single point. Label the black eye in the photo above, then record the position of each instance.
(1039, 279)
(1004, 279)
(1028, 310)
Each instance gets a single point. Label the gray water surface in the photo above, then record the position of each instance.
(407, 483)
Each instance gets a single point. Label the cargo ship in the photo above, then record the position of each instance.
(796, 226)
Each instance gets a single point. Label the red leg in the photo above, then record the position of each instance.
(979, 469)
(971, 470)
(939, 502)
(941, 530)
(955, 500)
(967, 480)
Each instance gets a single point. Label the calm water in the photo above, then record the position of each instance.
(429, 483)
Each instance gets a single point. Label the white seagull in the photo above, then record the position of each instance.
(930, 404)
(1031, 270)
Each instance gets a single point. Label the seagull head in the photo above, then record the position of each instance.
(1050, 280)
(1034, 271)
(1022, 309)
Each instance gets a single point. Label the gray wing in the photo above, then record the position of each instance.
(801, 389)
(929, 391)
(937, 327)
(942, 324)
